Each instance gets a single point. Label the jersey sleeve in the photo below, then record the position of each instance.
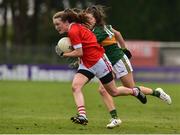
(100, 34)
(109, 27)
(74, 36)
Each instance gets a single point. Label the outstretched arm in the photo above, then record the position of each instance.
(121, 42)
(119, 38)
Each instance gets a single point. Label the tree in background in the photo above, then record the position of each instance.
(137, 19)
(3, 7)
(147, 20)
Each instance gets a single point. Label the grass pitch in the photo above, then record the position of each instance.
(46, 108)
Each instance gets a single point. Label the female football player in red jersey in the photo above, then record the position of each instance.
(93, 62)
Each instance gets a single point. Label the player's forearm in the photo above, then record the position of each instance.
(119, 38)
(121, 41)
(74, 53)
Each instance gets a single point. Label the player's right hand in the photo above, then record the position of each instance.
(58, 51)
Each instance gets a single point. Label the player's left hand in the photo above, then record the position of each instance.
(73, 62)
(58, 51)
(127, 53)
(74, 65)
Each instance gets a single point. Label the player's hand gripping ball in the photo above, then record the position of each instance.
(64, 45)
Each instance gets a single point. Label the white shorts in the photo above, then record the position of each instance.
(122, 67)
(100, 69)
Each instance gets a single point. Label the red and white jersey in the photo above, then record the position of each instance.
(81, 36)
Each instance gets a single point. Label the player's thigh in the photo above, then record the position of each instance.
(79, 80)
(111, 88)
(128, 80)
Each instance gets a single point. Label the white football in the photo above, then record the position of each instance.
(64, 44)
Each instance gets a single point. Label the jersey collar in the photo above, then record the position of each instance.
(70, 26)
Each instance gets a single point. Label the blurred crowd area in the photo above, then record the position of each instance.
(145, 54)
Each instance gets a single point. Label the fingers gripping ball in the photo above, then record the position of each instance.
(58, 51)
(64, 44)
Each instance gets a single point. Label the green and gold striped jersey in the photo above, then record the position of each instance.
(106, 38)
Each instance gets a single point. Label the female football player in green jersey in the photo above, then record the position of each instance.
(119, 56)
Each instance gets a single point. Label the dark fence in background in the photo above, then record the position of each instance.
(152, 62)
(145, 54)
(29, 55)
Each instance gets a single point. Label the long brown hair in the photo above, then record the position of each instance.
(98, 12)
(67, 15)
(83, 19)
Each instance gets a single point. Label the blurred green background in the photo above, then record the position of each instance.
(26, 25)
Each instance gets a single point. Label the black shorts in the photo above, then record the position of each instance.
(86, 73)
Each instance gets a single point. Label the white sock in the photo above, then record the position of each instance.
(135, 91)
(84, 115)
